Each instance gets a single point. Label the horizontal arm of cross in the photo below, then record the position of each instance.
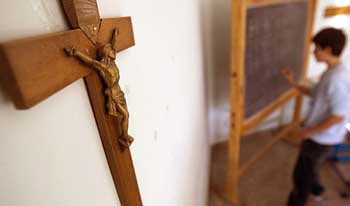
(33, 69)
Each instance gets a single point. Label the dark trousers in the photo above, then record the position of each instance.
(306, 178)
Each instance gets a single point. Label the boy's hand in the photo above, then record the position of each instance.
(288, 75)
(304, 134)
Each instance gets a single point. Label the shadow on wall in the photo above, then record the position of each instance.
(204, 40)
(216, 29)
(5, 97)
(220, 50)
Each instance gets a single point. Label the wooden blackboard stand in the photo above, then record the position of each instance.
(334, 11)
(238, 124)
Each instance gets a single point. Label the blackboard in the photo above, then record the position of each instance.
(275, 39)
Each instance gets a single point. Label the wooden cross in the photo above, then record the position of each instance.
(33, 69)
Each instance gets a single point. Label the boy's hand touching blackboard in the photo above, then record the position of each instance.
(289, 75)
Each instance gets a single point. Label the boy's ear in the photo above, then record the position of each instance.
(328, 50)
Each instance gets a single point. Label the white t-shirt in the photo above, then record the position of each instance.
(331, 96)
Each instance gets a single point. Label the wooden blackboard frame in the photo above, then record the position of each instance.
(334, 11)
(238, 125)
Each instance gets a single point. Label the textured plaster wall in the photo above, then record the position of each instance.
(52, 154)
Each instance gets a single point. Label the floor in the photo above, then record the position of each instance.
(268, 182)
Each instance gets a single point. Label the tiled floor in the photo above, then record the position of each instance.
(268, 182)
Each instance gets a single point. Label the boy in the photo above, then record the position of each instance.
(328, 114)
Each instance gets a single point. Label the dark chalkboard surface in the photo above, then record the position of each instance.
(275, 40)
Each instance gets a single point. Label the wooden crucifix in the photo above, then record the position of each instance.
(33, 69)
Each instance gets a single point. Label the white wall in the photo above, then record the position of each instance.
(165, 87)
(52, 155)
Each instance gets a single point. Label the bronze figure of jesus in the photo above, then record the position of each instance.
(106, 66)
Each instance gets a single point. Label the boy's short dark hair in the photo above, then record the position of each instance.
(330, 37)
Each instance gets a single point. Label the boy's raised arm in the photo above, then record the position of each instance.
(289, 76)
